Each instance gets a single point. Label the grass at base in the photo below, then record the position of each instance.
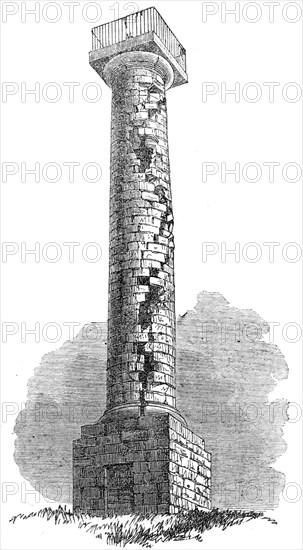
(147, 530)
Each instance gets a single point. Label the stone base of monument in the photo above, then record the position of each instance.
(127, 463)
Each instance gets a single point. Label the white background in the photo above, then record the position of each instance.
(211, 131)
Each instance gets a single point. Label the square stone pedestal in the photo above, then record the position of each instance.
(127, 463)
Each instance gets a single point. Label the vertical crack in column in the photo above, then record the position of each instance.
(142, 316)
(151, 158)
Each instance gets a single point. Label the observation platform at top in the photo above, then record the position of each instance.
(145, 31)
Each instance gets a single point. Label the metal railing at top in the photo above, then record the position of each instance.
(136, 24)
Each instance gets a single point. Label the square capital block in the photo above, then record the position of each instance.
(144, 31)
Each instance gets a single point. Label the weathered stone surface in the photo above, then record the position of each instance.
(129, 463)
(141, 276)
(140, 457)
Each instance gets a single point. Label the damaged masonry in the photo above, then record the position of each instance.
(140, 456)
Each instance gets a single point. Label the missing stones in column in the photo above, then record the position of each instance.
(144, 154)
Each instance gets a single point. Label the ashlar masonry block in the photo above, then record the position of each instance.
(127, 463)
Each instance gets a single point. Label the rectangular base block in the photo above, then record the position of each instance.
(127, 464)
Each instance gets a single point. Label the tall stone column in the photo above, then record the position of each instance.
(140, 456)
(141, 317)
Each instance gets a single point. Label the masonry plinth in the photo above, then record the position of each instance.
(145, 464)
(141, 456)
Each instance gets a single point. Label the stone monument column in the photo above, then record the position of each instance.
(141, 316)
(140, 456)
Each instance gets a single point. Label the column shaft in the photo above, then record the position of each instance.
(141, 317)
